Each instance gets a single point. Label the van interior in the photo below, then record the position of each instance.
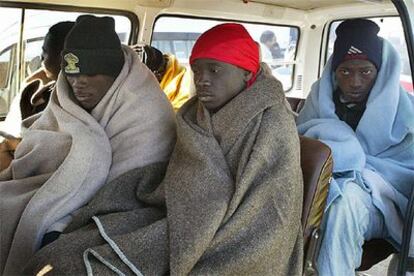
(305, 32)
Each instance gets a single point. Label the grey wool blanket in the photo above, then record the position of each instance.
(68, 154)
(230, 202)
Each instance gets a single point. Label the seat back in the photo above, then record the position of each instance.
(317, 165)
(295, 103)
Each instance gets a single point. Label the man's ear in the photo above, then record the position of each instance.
(247, 75)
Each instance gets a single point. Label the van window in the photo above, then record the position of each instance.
(391, 29)
(37, 23)
(20, 58)
(177, 35)
(9, 37)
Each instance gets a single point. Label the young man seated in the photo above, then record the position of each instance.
(35, 94)
(106, 116)
(231, 199)
(360, 110)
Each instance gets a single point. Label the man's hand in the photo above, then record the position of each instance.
(7, 148)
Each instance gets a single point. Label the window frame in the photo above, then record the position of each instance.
(407, 24)
(327, 30)
(226, 20)
(71, 8)
(405, 18)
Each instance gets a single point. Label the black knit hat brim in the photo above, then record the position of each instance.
(90, 62)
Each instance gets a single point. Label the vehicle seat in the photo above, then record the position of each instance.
(296, 103)
(317, 164)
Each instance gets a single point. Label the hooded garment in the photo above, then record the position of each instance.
(230, 202)
(67, 154)
(379, 154)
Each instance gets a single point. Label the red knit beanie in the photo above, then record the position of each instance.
(229, 43)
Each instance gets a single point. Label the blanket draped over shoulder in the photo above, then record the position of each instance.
(67, 154)
(230, 203)
(379, 155)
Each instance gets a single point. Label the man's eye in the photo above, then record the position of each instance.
(366, 72)
(344, 72)
(215, 70)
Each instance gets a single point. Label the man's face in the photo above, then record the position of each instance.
(217, 82)
(355, 79)
(89, 90)
(51, 63)
(159, 73)
(271, 42)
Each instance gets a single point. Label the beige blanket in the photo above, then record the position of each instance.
(233, 198)
(67, 154)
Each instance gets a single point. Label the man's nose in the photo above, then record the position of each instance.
(203, 79)
(80, 79)
(356, 81)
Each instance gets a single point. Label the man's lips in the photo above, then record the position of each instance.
(355, 94)
(204, 96)
(81, 95)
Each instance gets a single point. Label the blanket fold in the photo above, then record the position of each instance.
(67, 154)
(230, 202)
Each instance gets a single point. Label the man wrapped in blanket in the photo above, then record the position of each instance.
(359, 109)
(106, 116)
(231, 199)
(36, 91)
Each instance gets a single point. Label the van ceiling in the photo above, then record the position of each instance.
(311, 4)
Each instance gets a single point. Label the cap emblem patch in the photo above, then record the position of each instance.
(71, 67)
(354, 51)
